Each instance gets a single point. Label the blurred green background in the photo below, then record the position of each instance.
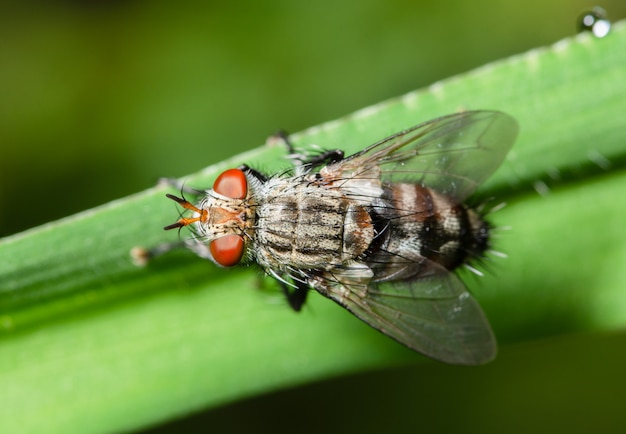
(100, 98)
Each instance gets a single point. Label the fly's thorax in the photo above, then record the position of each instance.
(301, 224)
(418, 222)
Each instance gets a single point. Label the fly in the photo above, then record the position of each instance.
(380, 232)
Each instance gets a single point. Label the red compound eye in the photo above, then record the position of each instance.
(227, 250)
(232, 183)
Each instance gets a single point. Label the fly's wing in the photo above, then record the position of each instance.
(434, 315)
(452, 154)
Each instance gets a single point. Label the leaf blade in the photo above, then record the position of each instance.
(182, 335)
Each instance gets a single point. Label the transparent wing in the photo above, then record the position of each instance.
(452, 154)
(435, 316)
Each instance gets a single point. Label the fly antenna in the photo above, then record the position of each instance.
(185, 221)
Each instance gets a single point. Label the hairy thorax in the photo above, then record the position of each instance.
(305, 225)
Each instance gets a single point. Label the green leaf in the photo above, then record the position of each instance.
(89, 342)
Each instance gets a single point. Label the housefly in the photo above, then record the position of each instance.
(380, 232)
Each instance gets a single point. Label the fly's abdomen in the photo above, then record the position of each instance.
(311, 228)
(419, 223)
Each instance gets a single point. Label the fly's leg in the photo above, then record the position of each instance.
(283, 136)
(253, 172)
(295, 297)
(311, 161)
(326, 157)
(141, 255)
